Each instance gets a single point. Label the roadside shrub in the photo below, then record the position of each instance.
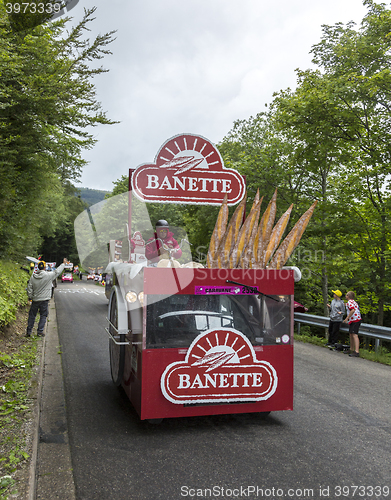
(13, 282)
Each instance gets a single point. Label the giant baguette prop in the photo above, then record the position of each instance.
(267, 221)
(218, 233)
(249, 244)
(229, 239)
(256, 200)
(276, 235)
(248, 255)
(265, 228)
(244, 235)
(292, 240)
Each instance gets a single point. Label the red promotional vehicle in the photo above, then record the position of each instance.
(190, 340)
(186, 342)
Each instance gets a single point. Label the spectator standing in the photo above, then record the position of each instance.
(354, 320)
(39, 291)
(337, 311)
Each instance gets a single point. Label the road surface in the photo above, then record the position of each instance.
(335, 444)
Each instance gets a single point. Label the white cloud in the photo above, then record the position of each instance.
(195, 66)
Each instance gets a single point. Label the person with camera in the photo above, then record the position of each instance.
(39, 291)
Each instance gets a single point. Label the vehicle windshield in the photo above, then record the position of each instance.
(175, 321)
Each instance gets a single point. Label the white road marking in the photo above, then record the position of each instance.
(79, 290)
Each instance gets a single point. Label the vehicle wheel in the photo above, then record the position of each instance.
(117, 352)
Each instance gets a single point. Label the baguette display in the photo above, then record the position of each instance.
(218, 232)
(288, 246)
(252, 244)
(228, 240)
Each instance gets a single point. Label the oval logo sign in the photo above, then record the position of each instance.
(220, 366)
(188, 169)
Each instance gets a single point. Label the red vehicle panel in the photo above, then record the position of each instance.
(154, 405)
(206, 341)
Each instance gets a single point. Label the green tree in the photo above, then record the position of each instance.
(271, 155)
(47, 103)
(358, 62)
(329, 140)
(340, 116)
(255, 149)
(62, 243)
(302, 118)
(265, 155)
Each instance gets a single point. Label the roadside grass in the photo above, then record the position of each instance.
(17, 363)
(383, 355)
(18, 360)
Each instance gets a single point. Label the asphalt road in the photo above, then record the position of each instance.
(335, 444)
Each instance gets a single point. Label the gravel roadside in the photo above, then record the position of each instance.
(42, 468)
(19, 429)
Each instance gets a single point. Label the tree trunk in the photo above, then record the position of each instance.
(324, 245)
(325, 294)
(382, 267)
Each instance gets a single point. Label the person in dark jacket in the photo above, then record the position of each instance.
(39, 291)
(337, 311)
(154, 249)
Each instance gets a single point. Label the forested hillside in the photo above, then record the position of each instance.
(92, 196)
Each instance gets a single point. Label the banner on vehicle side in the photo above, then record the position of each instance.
(220, 366)
(226, 290)
(188, 169)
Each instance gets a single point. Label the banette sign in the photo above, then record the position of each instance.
(220, 366)
(188, 169)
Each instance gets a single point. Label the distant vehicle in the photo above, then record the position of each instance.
(67, 277)
(90, 277)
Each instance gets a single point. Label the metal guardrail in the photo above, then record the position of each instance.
(373, 331)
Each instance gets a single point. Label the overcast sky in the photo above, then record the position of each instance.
(195, 66)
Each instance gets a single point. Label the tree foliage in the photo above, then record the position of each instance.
(13, 282)
(47, 106)
(329, 139)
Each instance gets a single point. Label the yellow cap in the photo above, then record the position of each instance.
(337, 292)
